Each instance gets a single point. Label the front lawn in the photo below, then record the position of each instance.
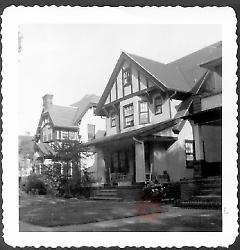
(50, 211)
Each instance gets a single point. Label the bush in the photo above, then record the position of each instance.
(34, 185)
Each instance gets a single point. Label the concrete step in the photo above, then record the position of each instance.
(207, 198)
(210, 185)
(199, 204)
(209, 191)
(107, 190)
(106, 198)
(211, 181)
(107, 195)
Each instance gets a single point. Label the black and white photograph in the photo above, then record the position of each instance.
(121, 126)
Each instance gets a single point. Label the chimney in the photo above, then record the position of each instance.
(47, 101)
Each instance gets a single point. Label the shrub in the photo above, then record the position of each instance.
(34, 185)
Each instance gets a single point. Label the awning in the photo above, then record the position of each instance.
(140, 134)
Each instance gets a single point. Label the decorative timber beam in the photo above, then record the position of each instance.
(113, 105)
(105, 111)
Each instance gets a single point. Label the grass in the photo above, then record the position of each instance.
(50, 211)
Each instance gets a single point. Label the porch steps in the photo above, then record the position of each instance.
(107, 194)
(209, 195)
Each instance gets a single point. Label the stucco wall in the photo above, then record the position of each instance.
(212, 137)
(173, 159)
(90, 118)
(165, 115)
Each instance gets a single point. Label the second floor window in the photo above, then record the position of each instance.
(158, 105)
(127, 81)
(143, 112)
(91, 131)
(128, 115)
(113, 120)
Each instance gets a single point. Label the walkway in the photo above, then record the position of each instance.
(173, 220)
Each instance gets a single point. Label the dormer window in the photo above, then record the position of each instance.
(158, 105)
(127, 81)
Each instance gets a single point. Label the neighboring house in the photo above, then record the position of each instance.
(25, 154)
(206, 117)
(74, 122)
(144, 104)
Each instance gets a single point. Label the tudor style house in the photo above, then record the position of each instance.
(148, 129)
(74, 122)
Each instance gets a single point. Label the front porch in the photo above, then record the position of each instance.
(130, 161)
(129, 158)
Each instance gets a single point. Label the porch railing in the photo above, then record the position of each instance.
(118, 177)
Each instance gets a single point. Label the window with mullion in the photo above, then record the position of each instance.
(143, 112)
(190, 153)
(128, 115)
(158, 105)
(113, 120)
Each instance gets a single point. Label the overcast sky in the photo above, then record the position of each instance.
(69, 60)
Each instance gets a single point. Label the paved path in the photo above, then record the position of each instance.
(172, 220)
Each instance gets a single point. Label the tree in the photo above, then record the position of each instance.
(70, 155)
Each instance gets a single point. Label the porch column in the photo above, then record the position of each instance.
(199, 154)
(107, 160)
(101, 176)
(140, 162)
(197, 134)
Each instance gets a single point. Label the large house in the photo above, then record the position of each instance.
(76, 122)
(149, 130)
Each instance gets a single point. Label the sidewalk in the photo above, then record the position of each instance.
(174, 220)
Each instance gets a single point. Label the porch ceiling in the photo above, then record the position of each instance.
(165, 141)
(128, 137)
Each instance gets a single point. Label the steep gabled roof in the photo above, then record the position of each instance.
(180, 75)
(165, 74)
(62, 116)
(69, 116)
(44, 149)
(83, 105)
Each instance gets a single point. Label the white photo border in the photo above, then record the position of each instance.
(13, 17)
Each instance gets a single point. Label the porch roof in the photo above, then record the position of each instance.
(45, 150)
(144, 133)
(210, 116)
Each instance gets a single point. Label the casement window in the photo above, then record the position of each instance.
(127, 81)
(128, 115)
(91, 131)
(190, 153)
(143, 112)
(72, 135)
(158, 105)
(64, 135)
(113, 120)
(47, 133)
(119, 162)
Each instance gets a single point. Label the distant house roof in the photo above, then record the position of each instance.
(83, 105)
(45, 150)
(180, 75)
(86, 99)
(69, 116)
(62, 116)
